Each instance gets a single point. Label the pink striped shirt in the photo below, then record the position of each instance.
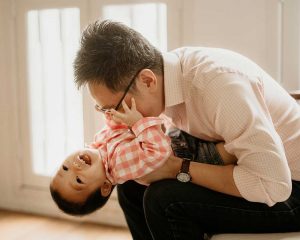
(129, 154)
(219, 95)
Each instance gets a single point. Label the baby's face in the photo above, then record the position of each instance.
(80, 174)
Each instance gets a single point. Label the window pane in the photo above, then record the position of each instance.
(55, 104)
(150, 19)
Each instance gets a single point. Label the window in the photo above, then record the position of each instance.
(56, 115)
(148, 18)
(56, 120)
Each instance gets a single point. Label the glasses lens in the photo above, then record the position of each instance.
(102, 110)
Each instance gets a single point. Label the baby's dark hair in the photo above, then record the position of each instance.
(93, 202)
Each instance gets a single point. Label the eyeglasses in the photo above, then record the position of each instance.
(104, 110)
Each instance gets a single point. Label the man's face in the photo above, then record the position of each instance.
(105, 99)
(148, 95)
(80, 174)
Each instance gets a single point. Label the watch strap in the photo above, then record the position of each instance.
(185, 166)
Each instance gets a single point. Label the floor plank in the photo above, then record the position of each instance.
(22, 226)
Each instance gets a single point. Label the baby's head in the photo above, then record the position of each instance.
(80, 185)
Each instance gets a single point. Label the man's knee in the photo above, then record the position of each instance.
(130, 192)
(159, 195)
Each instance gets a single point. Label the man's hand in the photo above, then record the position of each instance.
(130, 115)
(167, 171)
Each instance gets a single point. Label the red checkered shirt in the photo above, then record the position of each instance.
(128, 154)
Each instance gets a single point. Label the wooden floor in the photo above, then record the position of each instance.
(20, 226)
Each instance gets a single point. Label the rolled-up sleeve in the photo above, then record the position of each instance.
(240, 115)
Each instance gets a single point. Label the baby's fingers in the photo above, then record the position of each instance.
(125, 106)
(133, 105)
(117, 116)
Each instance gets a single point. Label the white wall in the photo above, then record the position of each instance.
(267, 31)
(247, 26)
(291, 45)
(8, 113)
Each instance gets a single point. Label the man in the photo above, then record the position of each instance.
(215, 95)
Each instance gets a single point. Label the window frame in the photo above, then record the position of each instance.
(33, 189)
(22, 7)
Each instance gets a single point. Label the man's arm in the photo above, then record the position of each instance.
(215, 177)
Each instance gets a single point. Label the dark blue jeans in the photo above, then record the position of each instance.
(168, 209)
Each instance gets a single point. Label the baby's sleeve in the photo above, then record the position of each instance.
(147, 151)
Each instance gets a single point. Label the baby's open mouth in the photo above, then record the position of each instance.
(86, 158)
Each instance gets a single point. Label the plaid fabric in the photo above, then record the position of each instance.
(132, 153)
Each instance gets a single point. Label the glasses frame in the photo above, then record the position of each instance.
(126, 90)
(105, 110)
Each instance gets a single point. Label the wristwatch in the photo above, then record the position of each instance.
(184, 174)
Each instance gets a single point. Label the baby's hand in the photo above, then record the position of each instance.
(129, 117)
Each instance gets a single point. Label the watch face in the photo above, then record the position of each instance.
(183, 177)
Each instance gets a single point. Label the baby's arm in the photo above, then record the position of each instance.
(166, 171)
(140, 152)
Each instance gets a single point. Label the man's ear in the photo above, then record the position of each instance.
(148, 79)
(106, 188)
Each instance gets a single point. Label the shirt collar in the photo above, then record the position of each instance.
(104, 157)
(173, 80)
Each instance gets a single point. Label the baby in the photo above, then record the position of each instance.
(129, 147)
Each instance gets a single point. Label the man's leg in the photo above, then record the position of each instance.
(130, 195)
(177, 210)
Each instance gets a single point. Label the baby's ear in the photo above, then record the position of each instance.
(106, 188)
